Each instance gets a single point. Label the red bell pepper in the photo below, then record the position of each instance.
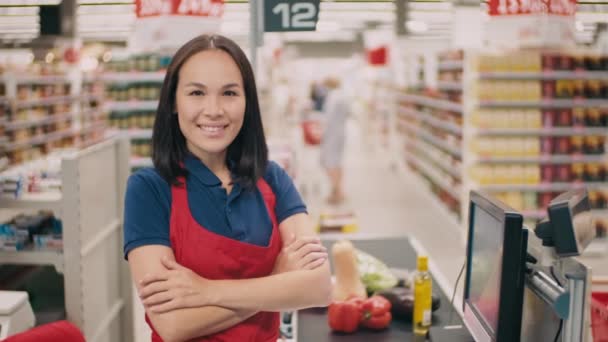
(376, 313)
(345, 316)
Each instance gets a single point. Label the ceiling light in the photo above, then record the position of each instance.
(328, 26)
(416, 26)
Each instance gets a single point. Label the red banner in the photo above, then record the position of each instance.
(199, 8)
(522, 7)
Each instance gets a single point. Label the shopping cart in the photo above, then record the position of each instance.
(599, 316)
(312, 131)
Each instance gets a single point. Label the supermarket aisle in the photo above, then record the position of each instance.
(388, 202)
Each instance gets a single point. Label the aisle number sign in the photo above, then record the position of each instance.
(294, 15)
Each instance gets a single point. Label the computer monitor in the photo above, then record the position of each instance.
(570, 226)
(494, 282)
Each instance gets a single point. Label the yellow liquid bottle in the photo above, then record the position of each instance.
(423, 301)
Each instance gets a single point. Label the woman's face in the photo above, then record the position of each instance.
(210, 102)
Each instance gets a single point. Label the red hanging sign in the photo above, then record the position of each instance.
(521, 7)
(199, 8)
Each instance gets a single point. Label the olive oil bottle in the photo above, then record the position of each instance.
(423, 289)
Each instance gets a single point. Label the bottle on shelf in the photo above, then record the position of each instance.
(423, 289)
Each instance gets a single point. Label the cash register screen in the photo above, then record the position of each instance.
(486, 266)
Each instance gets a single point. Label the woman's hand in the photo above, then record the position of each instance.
(176, 288)
(306, 253)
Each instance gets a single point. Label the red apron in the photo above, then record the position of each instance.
(214, 256)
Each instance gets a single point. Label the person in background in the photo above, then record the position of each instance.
(318, 94)
(336, 113)
(217, 237)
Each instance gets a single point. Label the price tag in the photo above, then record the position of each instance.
(285, 15)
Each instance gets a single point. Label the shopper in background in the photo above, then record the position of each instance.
(217, 237)
(318, 93)
(336, 113)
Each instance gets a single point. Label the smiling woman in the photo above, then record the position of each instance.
(214, 221)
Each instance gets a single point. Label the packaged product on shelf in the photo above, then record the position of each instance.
(594, 117)
(532, 174)
(593, 173)
(576, 145)
(577, 172)
(564, 118)
(578, 88)
(562, 173)
(547, 173)
(11, 238)
(531, 147)
(515, 200)
(562, 145)
(530, 200)
(564, 89)
(48, 241)
(593, 89)
(594, 145)
(549, 118)
(548, 89)
(545, 199)
(578, 117)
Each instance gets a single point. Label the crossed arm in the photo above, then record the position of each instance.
(176, 297)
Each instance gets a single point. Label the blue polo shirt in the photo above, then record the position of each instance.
(240, 215)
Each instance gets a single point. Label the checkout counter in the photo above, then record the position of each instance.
(507, 284)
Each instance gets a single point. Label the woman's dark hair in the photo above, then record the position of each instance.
(248, 152)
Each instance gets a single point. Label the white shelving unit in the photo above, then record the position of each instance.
(440, 143)
(545, 76)
(76, 113)
(98, 291)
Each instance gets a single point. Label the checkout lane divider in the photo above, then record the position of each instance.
(440, 279)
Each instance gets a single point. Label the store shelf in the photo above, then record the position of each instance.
(548, 103)
(429, 119)
(544, 159)
(449, 86)
(140, 133)
(534, 214)
(133, 77)
(47, 101)
(32, 257)
(14, 125)
(137, 162)
(43, 79)
(131, 105)
(91, 97)
(544, 187)
(437, 178)
(540, 214)
(454, 171)
(552, 131)
(92, 126)
(432, 102)
(545, 76)
(37, 201)
(38, 140)
(440, 144)
(451, 65)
